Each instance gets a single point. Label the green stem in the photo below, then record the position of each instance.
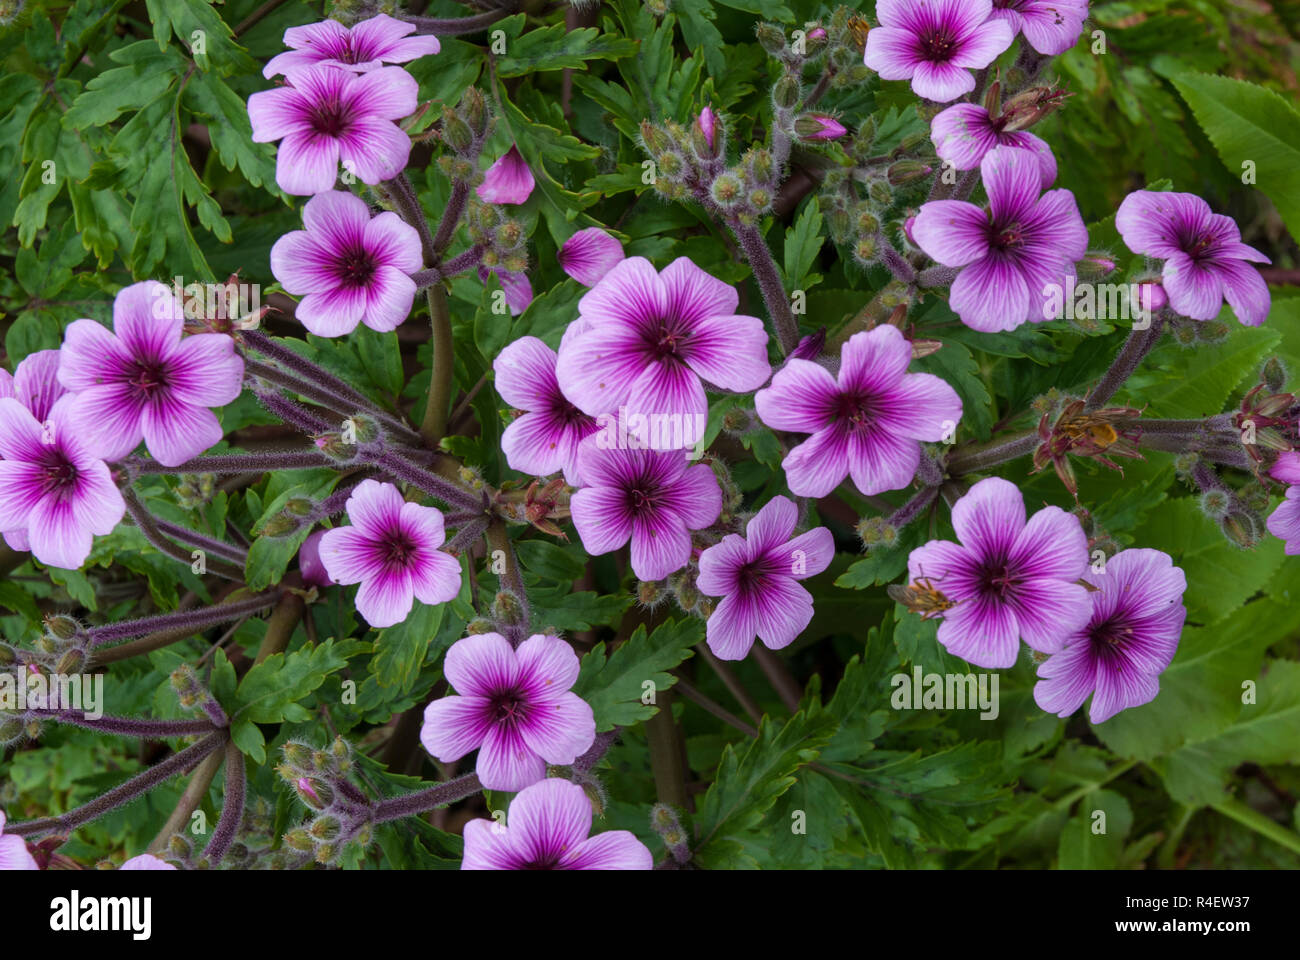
(434, 424)
(1266, 827)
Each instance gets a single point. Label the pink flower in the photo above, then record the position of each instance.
(144, 380)
(1050, 26)
(545, 439)
(547, 830)
(508, 180)
(708, 121)
(964, 133)
(326, 115)
(1007, 579)
(589, 255)
(367, 46)
(518, 291)
(1130, 638)
(310, 564)
(868, 424)
(51, 486)
(935, 44)
(349, 267)
(1284, 522)
(146, 861)
(1017, 256)
(650, 497)
(513, 706)
(35, 383)
(645, 340)
(819, 127)
(13, 851)
(757, 576)
(1205, 260)
(391, 549)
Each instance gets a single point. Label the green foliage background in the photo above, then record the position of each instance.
(154, 175)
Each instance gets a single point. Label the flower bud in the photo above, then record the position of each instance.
(648, 593)
(299, 506)
(1151, 296)
(11, 731)
(479, 626)
(298, 754)
(879, 192)
(325, 828)
(61, 627)
(1241, 528)
(456, 131)
(179, 847)
(760, 165)
(706, 130)
(315, 793)
(1273, 376)
(810, 347)
(507, 608)
(771, 38)
(818, 127)
(726, 190)
(1094, 266)
(907, 171)
(787, 92)
(299, 839)
(655, 140)
(71, 662)
(1212, 331)
(474, 109)
(1215, 504)
(865, 249)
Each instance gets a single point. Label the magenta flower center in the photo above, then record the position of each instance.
(753, 578)
(58, 475)
(1110, 634)
(669, 343)
(328, 118)
(1008, 237)
(147, 378)
(939, 43)
(997, 577)
(855, 410)
(400, 549)
(509, 707)
(356, 267)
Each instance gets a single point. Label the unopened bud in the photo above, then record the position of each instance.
(299, 506)
(1212, 331)
(865, 249)
(479, 626)
(474, 109)
(179, 847)
(726, 190)
(1094, 266)
(315, 793)
(787, 92)
(1215, 504)
(1241, 528)
(71, 662)
(324, 828)
(299, 839)
(907, 171)
(456, 131)
(655, 140)
(771, 38)
(508, 609)
(299, 754)
(1273, 376)
(706, 126)
(818, 127)
(879, 192)
(61, 627)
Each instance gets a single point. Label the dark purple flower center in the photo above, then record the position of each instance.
(669, 342)
(509, 707)
(1199, 248)
(328, 117)
(754, 577)
(1110, 634)
(399, 549)
(549, 862)
(1006, 237)
(998, 578)
(58, 475)
(147, 378)
(356, 267)
(855, 411)
(939, 43)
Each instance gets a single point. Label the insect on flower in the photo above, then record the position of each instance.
(1099, 434)
(921, 596)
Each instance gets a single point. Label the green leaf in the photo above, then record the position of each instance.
(750, 780)
(1267, 731)
(1252, 128)
(803, 242)
(270, 692)
(550, 561)
(400, 650)
(556, 48)
(614, 685)
(1094, 838)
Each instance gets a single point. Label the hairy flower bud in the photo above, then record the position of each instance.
(907, 171)
(771, 38)
(456, 131)
(726, 190)
(1215, 504)
(818, 127)
(1273, 375)
(787, 92)
(474, 109)
(61, 627)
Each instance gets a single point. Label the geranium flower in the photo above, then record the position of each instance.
(365, 47)
(518, 291)
(757, 576)
(1284, 522)
(514, 706)
(391, 549)
(327, 115)
(1018, 256)
(1205, 260)
(348, 267)
(51, 486)
(146, 861)
(546, 829)
(868, 424)
(13, 851)
(508, 180)
(545, 439)
(1130, 638)
(1050, 26)
(590, 254)
(964, 133)
(34, 384)
(650, 497)
(145, 380)
(644, 340)
(1007, 579)
(935, 44)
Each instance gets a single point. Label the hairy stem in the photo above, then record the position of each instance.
(439, 795)
(232, 806)
(145, 521)
(1137, 346)
(129, 726)
(230, 551)
(979, 458)
(244, 463)
(769, 283)
(498, 539)
(451, 216)
(190, 621)
(123, 793)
